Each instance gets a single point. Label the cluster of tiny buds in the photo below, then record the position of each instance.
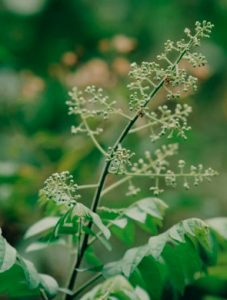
(203, 28)
(178, 82)
(91, 89)
(196, 59)
(157, 169)
(170, 178)
(196, 173)
(157, 164)
(61, 188)
(166, 121)
(146, 79)
(120, 160)
(147, 76)
(90, 103)
(97, 97)
(81, 129)
(169, 46)
(132, 189)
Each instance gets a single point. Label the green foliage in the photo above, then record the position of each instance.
(41, 233)
(18, 276)
(116, 288)
(177, 244)
(41, 227)
(75, 222)
(147, 213)
(219, 225)
(7, 254)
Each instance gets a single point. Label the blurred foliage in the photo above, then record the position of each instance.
(47, 46)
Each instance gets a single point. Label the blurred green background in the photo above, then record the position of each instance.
(47, 46)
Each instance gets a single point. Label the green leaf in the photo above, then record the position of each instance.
(141, 294)
(150, 268)
(219, 226)
(18, 276)
(49, 284)
(91, 257)
(147, 213)
(41, 227)
(65, 225)
(153, 207)
(7, 255)
(173, 254)
(31, 275)
(98, 222)
(40, 245)
(183, 263)
(102, 239)
(82, 211)
(116, 288)
(124, 229)
(68, 223)
(23, 280)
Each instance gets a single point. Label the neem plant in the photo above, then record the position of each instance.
(169, 262)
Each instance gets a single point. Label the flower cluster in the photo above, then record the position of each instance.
(166, 122)
(92, 106)
(132, 189)
(61, 188)
(82, 128)
(150, 166)
(147, 77)
(157, 164)
(202, 29)
(196, 59)
(90, 103)
(156, 167)
(177, 82)
(120, 160)
(196, 173)
(144, 78)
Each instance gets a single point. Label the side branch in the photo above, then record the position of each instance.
(91, 135)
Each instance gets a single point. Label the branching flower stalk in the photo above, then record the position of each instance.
(148, 79)
(166, 121)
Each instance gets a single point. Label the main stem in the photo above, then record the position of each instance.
(95, 202)
(104, 174)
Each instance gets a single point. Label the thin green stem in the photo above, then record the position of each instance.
(91, 135)
(43, 294)
(87, 186)
(133, 130)
(93, 239)
(168, 61)
(121, 113)
(79, 238)
(86, 285)
(114, 185)
(162, 121)
(164, 174)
